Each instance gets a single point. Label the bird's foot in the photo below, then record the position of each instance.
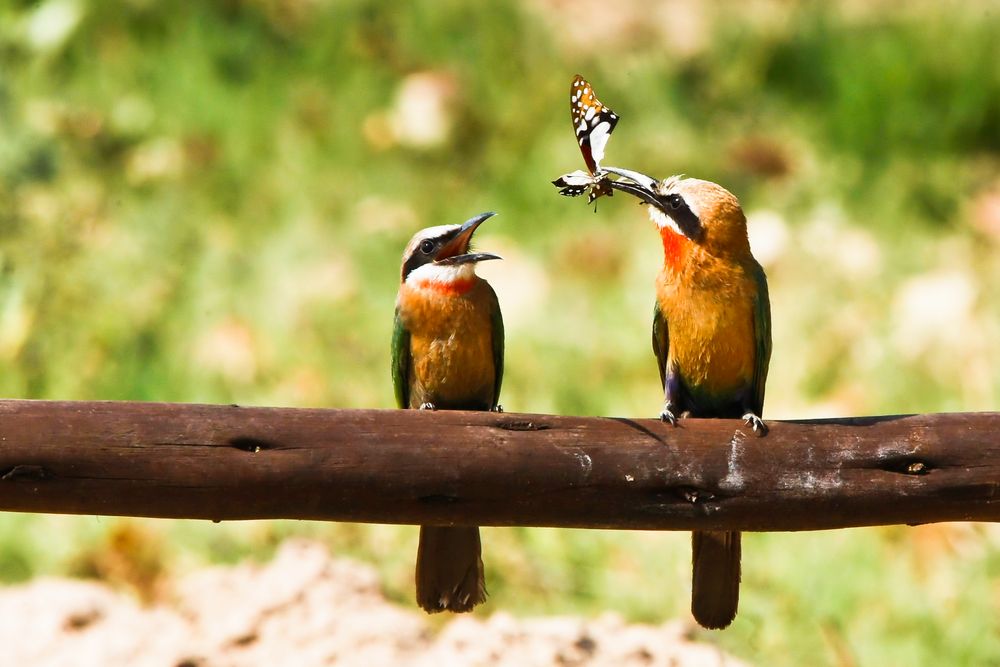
(667, 415)
(755, 423)
(497, 408)
(428, 406)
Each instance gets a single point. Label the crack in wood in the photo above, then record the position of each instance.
(25, 472)
(695, 496)
(250, 444)
(521, 425)
(906, 465)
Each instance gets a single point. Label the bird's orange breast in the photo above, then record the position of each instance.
(451, 345)
(709, 311)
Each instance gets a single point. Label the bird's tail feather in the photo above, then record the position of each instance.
(449, 569)
(715, 586)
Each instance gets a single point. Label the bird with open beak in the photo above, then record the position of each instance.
(447, 354)
(711, 338)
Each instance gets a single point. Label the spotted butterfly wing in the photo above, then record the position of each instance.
(592, 123)
(575, 184)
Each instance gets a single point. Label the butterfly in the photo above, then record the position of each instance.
(592, 123)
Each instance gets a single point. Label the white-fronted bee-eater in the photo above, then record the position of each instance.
(447, 354)
(712, 341)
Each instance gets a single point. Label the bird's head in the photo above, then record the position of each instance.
(441, 254)
(702, 212)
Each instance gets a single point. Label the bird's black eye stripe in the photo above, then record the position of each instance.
(424, 254)
(675, 206)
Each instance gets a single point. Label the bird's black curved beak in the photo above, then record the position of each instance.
(467, 258)
(637, 184)
(456, 251)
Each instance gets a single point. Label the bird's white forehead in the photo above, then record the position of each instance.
(431, 233)
(670, 184)
(434, 232)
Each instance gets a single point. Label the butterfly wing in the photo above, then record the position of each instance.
(592, 122)
(574, 184)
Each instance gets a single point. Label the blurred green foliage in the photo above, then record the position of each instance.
(207, 202)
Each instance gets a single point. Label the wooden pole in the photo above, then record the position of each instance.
(401, 466)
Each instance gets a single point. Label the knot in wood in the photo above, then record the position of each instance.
(696, 496)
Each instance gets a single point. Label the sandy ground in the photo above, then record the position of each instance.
(306, 608)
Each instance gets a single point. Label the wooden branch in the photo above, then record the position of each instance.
(401, 466)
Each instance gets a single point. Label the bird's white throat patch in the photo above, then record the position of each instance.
(432, 275)
(661, 220)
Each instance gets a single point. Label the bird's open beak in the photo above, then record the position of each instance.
(456, 251)
(637, 184)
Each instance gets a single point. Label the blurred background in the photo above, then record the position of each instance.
(207, 202)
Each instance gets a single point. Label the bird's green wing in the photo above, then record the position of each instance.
(661, 341)
(762, 335)
(496, 320)
(401, 362)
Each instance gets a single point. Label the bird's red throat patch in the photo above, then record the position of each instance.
(447, 288)
(675, 248)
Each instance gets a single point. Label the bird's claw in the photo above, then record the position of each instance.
(755, 423)
(428, 406)
(667, 416)
(497, 408)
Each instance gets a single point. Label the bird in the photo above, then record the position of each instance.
(447, 354)
(711, 339)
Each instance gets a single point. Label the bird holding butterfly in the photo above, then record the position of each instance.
(711, 319)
